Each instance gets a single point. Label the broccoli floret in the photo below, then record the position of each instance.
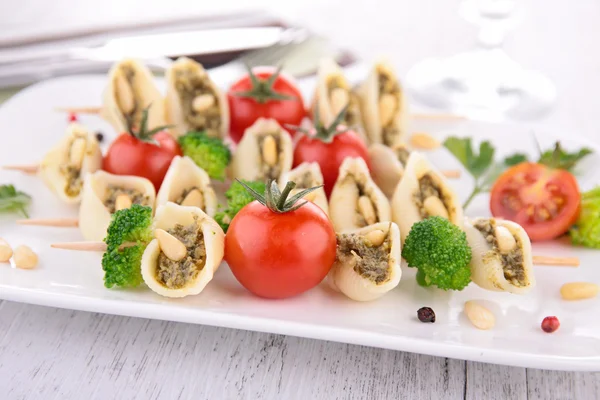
(237, 198)
(586, 231)
(210, 154)
(128, 234)
(440, 251)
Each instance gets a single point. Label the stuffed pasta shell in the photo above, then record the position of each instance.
(355, 200)
(367, 264)
(383, 106)
(193, 101)
(387, 165)
(65, 167)
(307, 175)
(423, 192)
(105, 193)
(265, 152)
(130, 90)
(502, 259)
(187, 184)
(332, 94)
(187, 250)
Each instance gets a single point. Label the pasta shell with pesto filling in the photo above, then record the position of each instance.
(355, 200)
(423, 192)
(502, 260)
(65, 167)
(193, 101)
(367, 263)
(265, 152)
(131, 89)
(187, 250)
(105, 193)
(332, 94)
(307, 175)
(383, 106)
(187, 184)
(387, 165)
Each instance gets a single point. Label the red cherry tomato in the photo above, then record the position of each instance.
(330, 155)
(260, 95)
(544, 201)
(279, 255)
(129, 155)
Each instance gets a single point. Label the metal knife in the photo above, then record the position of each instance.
(18, 67)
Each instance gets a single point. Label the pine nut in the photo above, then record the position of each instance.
(434, 207)
(579, 290)
(5, 251)
(170, 245)
(269, 151)
(122, 202)
(193, 199)
(375, 238)
(339, 100)
(480, 317)
(424, 141)
(365, 207)
(203, 102)
(25, 258)
(77, 152)
(506, 240)
(124, 94)
(387, 108)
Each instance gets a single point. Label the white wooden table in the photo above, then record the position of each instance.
(49, 353)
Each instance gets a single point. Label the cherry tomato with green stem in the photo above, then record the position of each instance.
(264, 92)
(278, 247)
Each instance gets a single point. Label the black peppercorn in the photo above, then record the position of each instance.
(426, 314)
(99, 137)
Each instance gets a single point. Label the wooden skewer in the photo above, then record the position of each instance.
(556, 261)
(79, 110)
(88, 246)
(422, 116)
(56, 222)
(28, 169)
(80, 246)
(101, 246)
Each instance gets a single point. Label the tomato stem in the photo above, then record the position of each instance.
(262, 89)
(276, 200)
(285, 193)
(143, 133)
(324, 133)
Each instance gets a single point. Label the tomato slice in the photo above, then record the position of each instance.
(544, 201)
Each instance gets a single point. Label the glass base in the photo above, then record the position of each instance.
(482, 84)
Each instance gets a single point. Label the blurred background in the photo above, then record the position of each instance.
(554, 39)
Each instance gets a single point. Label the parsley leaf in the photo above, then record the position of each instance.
(561, 159)
(462, 149)
(478, 164)
(12, 200)
(515, 159)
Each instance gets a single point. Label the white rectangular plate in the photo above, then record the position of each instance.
(73, 280)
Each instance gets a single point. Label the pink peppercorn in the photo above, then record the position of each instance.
(550, 324)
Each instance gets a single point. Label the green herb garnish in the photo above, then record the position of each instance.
(13, 200)
(485, 171)
(478, 164)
